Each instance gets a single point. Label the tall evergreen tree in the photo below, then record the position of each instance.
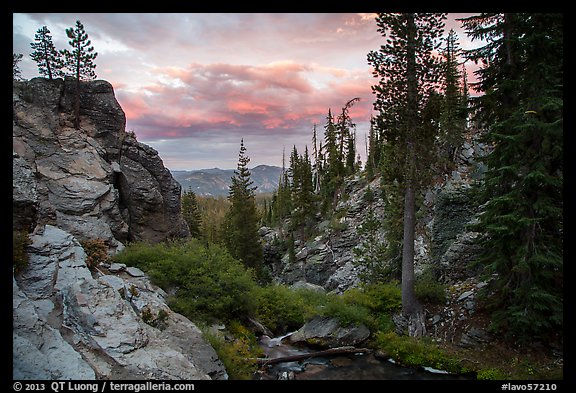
(79, 62)
(522, 223)
(407, 70)
(241, 223)
(282, 198)
(316, 166)
(333, 167)
(374, 147)
(45, 54)
(346, 138)
(16, 72)
(454, 106)
(302, 190)
(191, 213)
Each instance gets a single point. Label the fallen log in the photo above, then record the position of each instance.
(327, 352)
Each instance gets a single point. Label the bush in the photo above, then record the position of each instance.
(490, 374)
(428, 289)
(96, 252)
(379, 300)
(368, 196)
(347, 313)
(280, 308)
(378, 297)
(410, 351)
(209, 284)
(238, 353)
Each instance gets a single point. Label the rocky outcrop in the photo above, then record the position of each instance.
(71, 323)
(443, 243)
(329, 333)
(95, 182)
(327, 260)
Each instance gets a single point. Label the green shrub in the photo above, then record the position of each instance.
(209, 284)
(239, 353)
(428, 289)
(377, 297)
(347, 313)
(20, 240)
(368, 196)
(280, 308)
(379, 300)
(411, 351)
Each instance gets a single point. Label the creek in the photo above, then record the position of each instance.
(360, 366)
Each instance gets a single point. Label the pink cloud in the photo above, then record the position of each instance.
(248, 107)
(278, 95)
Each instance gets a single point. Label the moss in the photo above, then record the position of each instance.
(20, 240)
(413, 352)
(490, 374)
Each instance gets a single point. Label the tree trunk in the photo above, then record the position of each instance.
(411, 309)
(409, 302)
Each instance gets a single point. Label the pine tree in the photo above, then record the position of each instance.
(45, 54)
(522, 222)
(282, 198)
(316, 166)
(454, 106)
(303, 206)
(407, 71)
(79, 63)
(16, 72)
(191, 213)
(333, 166)
(346, 138)
(371, 253)
(241, 223)
(374, 148)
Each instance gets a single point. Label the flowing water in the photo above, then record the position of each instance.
(341, 367)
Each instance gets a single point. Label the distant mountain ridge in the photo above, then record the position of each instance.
(215, 181)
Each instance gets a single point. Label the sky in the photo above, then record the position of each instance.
(193, 85)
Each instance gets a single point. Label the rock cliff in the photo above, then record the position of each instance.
(98, 182)
(95, 182)
(442, 241)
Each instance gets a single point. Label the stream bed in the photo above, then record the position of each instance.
(360, 366)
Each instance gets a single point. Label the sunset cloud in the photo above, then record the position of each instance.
(193, 85)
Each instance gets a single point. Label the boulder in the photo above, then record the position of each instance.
(306, 285)
(328, 332)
